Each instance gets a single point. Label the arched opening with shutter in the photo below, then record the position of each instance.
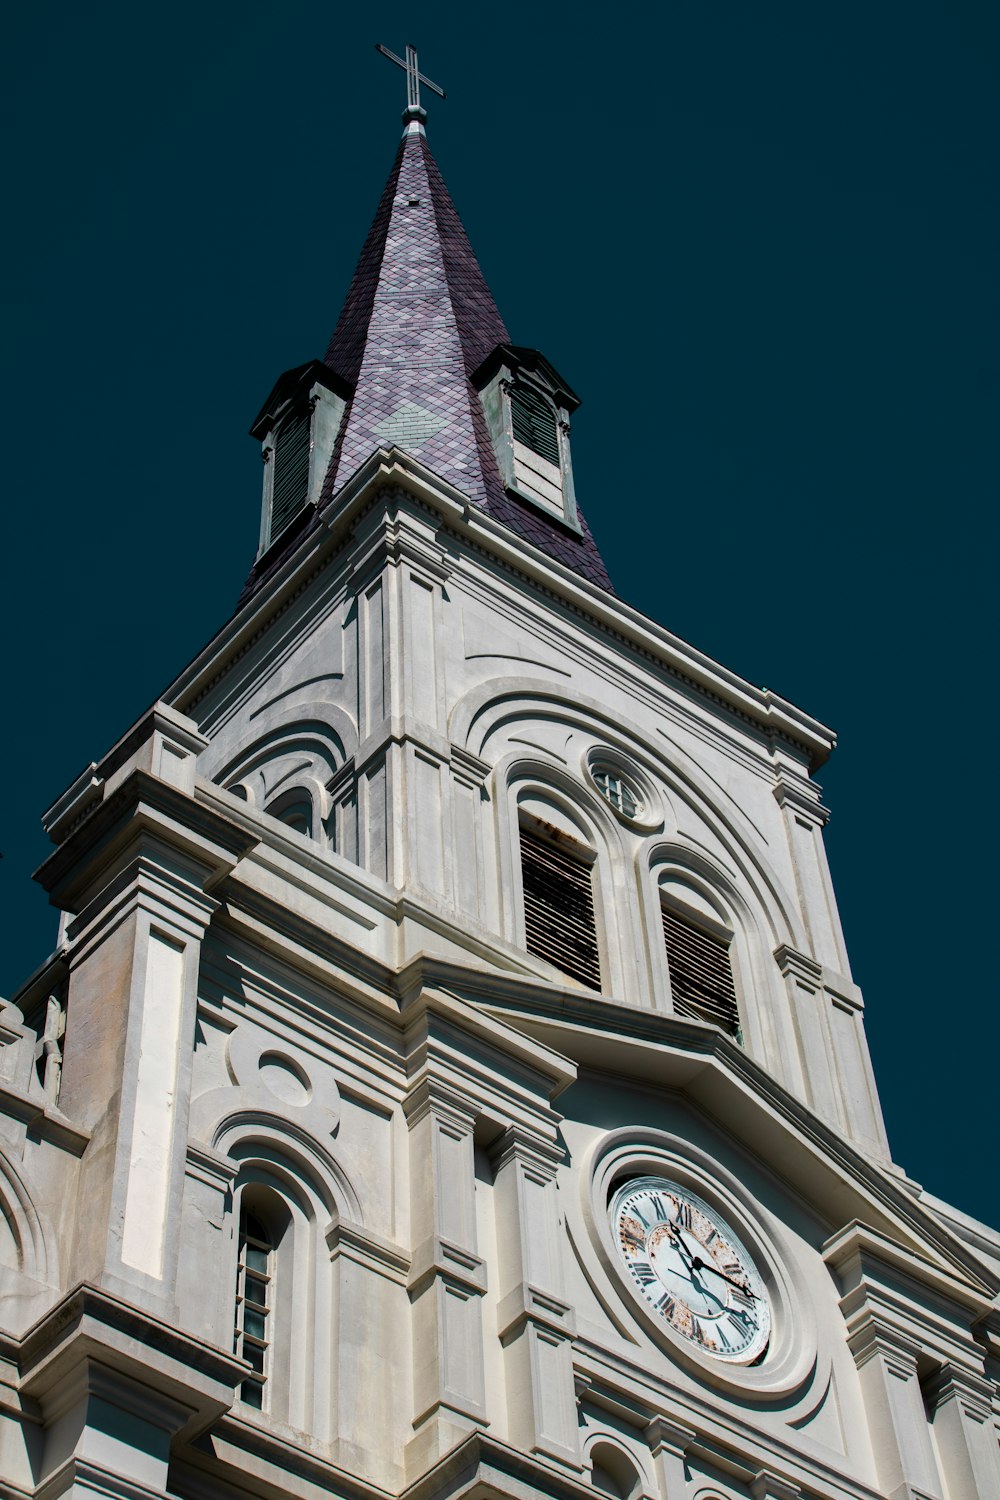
(698, 946)
(559, 919)
(564, 847)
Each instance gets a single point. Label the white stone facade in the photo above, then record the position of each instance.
(293, 980)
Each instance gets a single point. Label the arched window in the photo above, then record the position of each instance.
(261, 1226)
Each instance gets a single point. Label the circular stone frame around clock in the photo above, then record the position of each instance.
(792, 1359)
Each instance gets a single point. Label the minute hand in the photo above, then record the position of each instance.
(703, 1265)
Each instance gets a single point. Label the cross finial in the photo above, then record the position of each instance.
(414, 78)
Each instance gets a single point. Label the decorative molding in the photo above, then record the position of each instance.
(666, 1435)
(366, 1248)
(768, 1486)
(528, 1304)
(799, 966)
(441, 1258)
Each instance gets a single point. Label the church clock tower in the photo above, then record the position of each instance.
(450, 1080)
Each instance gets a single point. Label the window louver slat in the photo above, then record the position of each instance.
(534, 423)
(559, 909)
(701, 974)
(291, 472)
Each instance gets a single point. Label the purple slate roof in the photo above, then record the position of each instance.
(418, 320)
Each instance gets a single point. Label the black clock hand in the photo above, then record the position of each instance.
(693, 1263)
(697, 1264)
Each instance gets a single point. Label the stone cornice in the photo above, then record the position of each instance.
(143, 806)
(861, 1256)
(91, 1337)
(693, 1425)
(41, 1117)
(396, 471)
(366, 1248)
(664, 1050)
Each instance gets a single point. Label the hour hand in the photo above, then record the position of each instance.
(705, 1265)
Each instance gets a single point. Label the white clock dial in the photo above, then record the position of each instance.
(691, 1268)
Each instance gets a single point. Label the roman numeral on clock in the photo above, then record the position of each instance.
(665, 1304)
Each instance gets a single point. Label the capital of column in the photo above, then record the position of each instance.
(768, 1486)
(798, 966)
(518, 1144)
(665, 1435)
(870, 1336)
(433, 1096)
(974, 1393)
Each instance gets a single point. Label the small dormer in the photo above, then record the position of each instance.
(528, 407)
(297, 426)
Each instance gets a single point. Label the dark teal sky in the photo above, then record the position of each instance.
(761, 241)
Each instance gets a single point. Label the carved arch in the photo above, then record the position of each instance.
(34, 1243)
(483, 712)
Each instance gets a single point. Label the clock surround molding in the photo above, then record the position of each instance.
(793, 1362)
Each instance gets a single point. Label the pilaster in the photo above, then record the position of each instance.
(669, 1443)
(960, 1406)
(535, 1325)
(447, 1275)
(909, 1326)
(798, 796)
(402, 764)
(836, 1073)
(136, 870)
(370, 1344)
(897, 1423)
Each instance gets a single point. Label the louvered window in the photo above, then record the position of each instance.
(290, 486)
(559, 908)
(534, 423)
(701, 974)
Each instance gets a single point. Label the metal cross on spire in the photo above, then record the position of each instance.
(414, 77)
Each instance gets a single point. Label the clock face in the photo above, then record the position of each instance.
(691, 1269)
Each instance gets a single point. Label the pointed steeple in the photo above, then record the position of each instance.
(418, 320)
(420, 360)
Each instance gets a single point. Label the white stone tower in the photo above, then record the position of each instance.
(450, 1079)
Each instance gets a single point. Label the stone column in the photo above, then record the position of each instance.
(447, 1277)
(960, 1405)
(535, 1325)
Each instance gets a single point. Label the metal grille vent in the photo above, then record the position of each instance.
(291, 471)
(534, 423)
(701, 974)
(559, 909)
